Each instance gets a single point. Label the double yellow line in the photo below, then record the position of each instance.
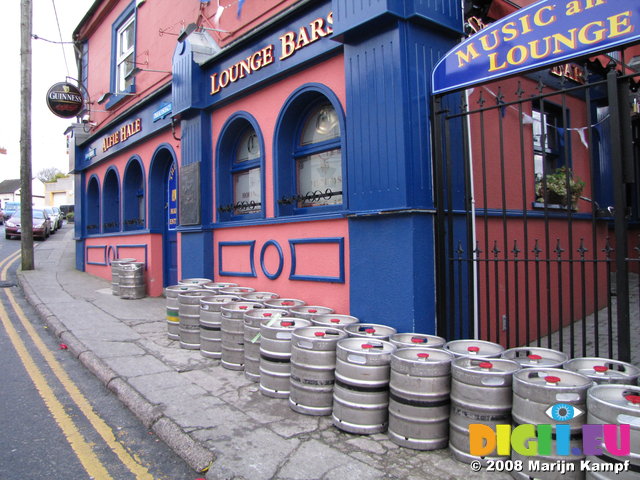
(82, 449)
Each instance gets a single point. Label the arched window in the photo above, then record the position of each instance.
(309, 153)
(240, 158)
(134, 196)
(111, 202)
(92, 224)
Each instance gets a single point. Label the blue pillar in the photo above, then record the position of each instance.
(390, 49)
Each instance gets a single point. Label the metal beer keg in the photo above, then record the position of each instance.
(334, 320)
(310, 311)
(420, 340)
(361, 390)
(189, 311)
(283, 303)
(173, 315)
(232, 333)
(211, 323)
(115, 273)
(536, 357)
(313, 365)
(370, 331)
(604, 370)
(275, 355)
(419, 387)
(252, 320)
(475, 348)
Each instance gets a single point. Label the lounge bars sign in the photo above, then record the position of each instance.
(545, 33)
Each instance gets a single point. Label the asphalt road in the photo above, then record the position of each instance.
(57, 421)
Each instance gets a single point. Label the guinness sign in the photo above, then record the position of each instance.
(65, 100)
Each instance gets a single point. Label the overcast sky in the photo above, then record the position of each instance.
(48, 140)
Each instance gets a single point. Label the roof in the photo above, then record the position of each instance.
(9, 186)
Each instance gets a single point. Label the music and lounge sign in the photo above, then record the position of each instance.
(545, 33)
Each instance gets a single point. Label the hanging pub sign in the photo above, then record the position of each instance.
(65, 100)
(545, 33)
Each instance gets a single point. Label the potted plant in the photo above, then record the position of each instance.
(559, 188)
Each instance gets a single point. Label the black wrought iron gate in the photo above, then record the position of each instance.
(538, 209)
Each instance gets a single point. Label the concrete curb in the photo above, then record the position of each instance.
(196, 456)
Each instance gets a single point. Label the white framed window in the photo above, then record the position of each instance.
(125, 54)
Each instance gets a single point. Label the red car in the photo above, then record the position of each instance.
(41, 225)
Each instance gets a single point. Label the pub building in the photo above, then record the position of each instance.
(285, 145)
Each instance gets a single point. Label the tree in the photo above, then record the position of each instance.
(49, 174)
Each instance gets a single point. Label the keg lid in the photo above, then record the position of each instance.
(194, 292)
(287, 323)
(218, 285)
(476, 348)
(369, 330)
(532, 357)
(552, 377)
(194, 281)
(422, 355)
(363, 346)
(316, 333)
(333, 320)
(218, 299)
(257, 296)
(403, 340)
(311, 309)
(622, 398)
(284, 303)
(236, 290)
(472, 365)
(240, 306)
(604, 370)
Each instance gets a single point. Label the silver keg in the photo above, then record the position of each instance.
(536, 357)
(551, 396)
(237, 290)
(131, 282)
(420, 340)
(419, 387)
(215, 287)
(115, 273)
(313, 365)
(480, 394)
(211, 323)
(275, 355)
(615, 405)
(604, 370)
(370, 331)
(361, 390)
(258, 296)
(189, 312)
(283, 303)
(232, 333)
(173, 315)
(477, 348)
(334, 320)
(199, 282)
(310, 311)
(252, 337)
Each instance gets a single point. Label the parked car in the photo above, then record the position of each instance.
(1, 216)
(61, 216)
(10, 208)
(56, 221)
(41, 224)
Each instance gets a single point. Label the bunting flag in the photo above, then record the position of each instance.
(216, 17)
(240, 5)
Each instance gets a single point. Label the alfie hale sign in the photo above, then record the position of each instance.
(545, 33)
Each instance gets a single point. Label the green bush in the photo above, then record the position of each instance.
(70, 217)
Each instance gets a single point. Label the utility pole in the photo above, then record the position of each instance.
(26, 211)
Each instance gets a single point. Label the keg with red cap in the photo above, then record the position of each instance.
(536, 357)
(252, 320)
(420, 340)
(215, 287)
(334, 320)
(419, 388)
(283, 303)
(555, 397)
(258, 296)
(361, 390)
(232, 333)
(604, 370)
(198, 282)
(313, 365)
(189, 312)
(474, 348)
(210, 324)
(480, 394)
(370, 331)
(275, 355)
(617, 405)
(236, 290)
(310, 311)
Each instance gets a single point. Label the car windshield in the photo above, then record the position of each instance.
(39, 214)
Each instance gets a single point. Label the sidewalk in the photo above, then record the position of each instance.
(210, 416)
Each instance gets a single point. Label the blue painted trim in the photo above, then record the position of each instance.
(141, 245)
(317, 278)
(122, 234)
(127, 207)
(224, 168)
(155, 186)
(285, 146)
(104, 263)
(272, 276)
(222, 272)
(95, 214)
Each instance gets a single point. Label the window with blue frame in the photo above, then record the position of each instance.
(309, 153)
(93, 207)
(133, 196)
(111, 202)
(240, 158)
(123, 56)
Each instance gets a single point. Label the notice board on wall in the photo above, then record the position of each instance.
(190, 194)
